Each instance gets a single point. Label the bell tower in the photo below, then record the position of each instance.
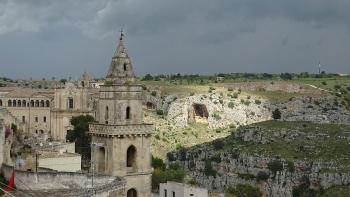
(120, 139)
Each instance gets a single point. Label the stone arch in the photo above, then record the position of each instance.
(36, 103)
(42, 103)
(125, 66)
(131, 156)
(32, 103)
(14, 103)
(9, 103)
(47, 103)
(24, 103)
(19, 103)
(132, 193)
(127, 115)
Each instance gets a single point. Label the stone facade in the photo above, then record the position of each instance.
(121, 141)
(47, 113)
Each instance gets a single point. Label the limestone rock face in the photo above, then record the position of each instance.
(320, 110)
(220, 112)
(232, 165)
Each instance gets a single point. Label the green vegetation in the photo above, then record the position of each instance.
(80, 136)
(262, 176)
(243, 190)
(209, 170)
(327, 142)
(247, 176)
(162, 174)
(275, 166)
(216, 116)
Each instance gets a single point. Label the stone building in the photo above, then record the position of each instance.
(121, 140)
(170, 189)
(47, 112)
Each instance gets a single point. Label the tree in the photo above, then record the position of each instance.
(79, 134)
(276, 114)
(157, 163)
(286, 76)
(147, 77)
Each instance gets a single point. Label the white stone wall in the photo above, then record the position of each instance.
(181, 189)
(69, 163)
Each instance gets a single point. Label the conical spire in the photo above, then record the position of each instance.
(120, 70)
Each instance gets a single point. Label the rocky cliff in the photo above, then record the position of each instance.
(276, 156)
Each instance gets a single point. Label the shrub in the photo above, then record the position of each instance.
(324, 83)
(276, 114)
(337, 87)
(258, 102)
(262, 176)
(230, 89)
(235, 95)
(290, 166)
(159, 112)
(216, 158)
(154, 93)
(216, 116)
(157, 163)
(275, 166)
(170, 157)
(246, 176)
(231, 104)
(192, 93)
(244, 190)
(208, 169)
(232, 126)
(218, 144)
(303, 191)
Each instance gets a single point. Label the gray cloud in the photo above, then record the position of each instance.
(61, 38)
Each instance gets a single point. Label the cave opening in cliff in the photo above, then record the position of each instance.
(200, 112)
(150, 105)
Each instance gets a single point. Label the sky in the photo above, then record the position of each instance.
(64, 38)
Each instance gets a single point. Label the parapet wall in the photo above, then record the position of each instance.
(74, 184)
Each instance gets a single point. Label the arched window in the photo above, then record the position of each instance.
(9, 103)
(0, 103)
(131, 157)
(44, 119)
(47, 103)
(36, 103)
(106, 113)
(24, 103)
(14, 103)
(83, 84)
(32, 103)
(125, 66)
(127, 116)
(19, 103)
(131, 193)
(42, 103)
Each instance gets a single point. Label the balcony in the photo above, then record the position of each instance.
(120, 130)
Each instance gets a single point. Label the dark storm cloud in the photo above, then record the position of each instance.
(61, 38)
